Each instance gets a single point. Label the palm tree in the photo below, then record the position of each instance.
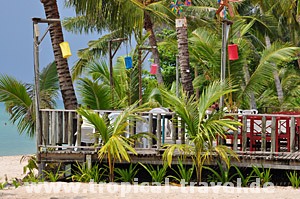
(183, 57)
(201, 131)
(65, 80)
(94, 88)
(113, 135)
(113, 16)
(19, 102)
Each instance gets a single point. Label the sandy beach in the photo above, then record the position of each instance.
(11, 166)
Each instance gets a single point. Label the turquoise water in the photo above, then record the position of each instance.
(11, 142)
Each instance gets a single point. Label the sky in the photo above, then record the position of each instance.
(16, 38)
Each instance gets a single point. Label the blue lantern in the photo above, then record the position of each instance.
(128, 62)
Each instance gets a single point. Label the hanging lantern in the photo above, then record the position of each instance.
(233, 52)
(128, 62)
(153, 69)
(65, 49)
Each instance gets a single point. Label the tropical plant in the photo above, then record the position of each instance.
(157, 174)
(245, 180)
(182, 172)
(31, 164)
(223, 175)
(32, 178)
(263, 174)
(114, 17)
(201, 132)
(95, 88)
(17, 183)
(127, 175)
(115, 144)
(54, 176)
(56, 34)
(294, 179)
(2, 185)
(19, 99)
(83, 173)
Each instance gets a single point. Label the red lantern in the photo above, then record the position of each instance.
(233, 52)
(153, 69)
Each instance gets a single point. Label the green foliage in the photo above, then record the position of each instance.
(31, 177)
(263, 174)
(157, 174)
(53, 177)
(294, 179)
(245, 180)
(31, 164)
(126, 175)
(167, 53)
(183, 172)
(84, 174)
(16, 183)
(18, 98)
(223, 176)
(3, 185)
(201, 131)
(115, 144)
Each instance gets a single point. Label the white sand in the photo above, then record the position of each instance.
(10, 165)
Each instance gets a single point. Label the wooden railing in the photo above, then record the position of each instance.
(64, 129)
(266, 132)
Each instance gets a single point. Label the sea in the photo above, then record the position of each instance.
(11, 141)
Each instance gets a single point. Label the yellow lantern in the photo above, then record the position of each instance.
(65, 49)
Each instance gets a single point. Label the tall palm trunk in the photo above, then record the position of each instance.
(65, 81)
(247, 79)
(183, 52)
(275, 74)
(148, 25)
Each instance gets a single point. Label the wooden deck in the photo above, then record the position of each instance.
(269, 140)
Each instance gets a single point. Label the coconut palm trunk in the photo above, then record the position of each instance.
(275, 74)
(183, 52)
(148, 25)
(65, 81)
(247, 79)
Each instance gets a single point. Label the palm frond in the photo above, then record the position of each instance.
(18, 103)
(95, 94)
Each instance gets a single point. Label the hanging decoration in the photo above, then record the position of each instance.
(65, 49)
(128, 60)
(153, 69)
(233, 52)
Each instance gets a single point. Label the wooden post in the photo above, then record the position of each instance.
(53, 128)
(158, 131)
(65, 119)
(70, 128)
(292, 135)
(150, 130)
(273, 134)
(173, 129)
(140, 75)
(182, 131)
(235, 137)
(45, 126)
(59, 128)
(88, 159)
(78, 136)
(263, 134)
(244, 133)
